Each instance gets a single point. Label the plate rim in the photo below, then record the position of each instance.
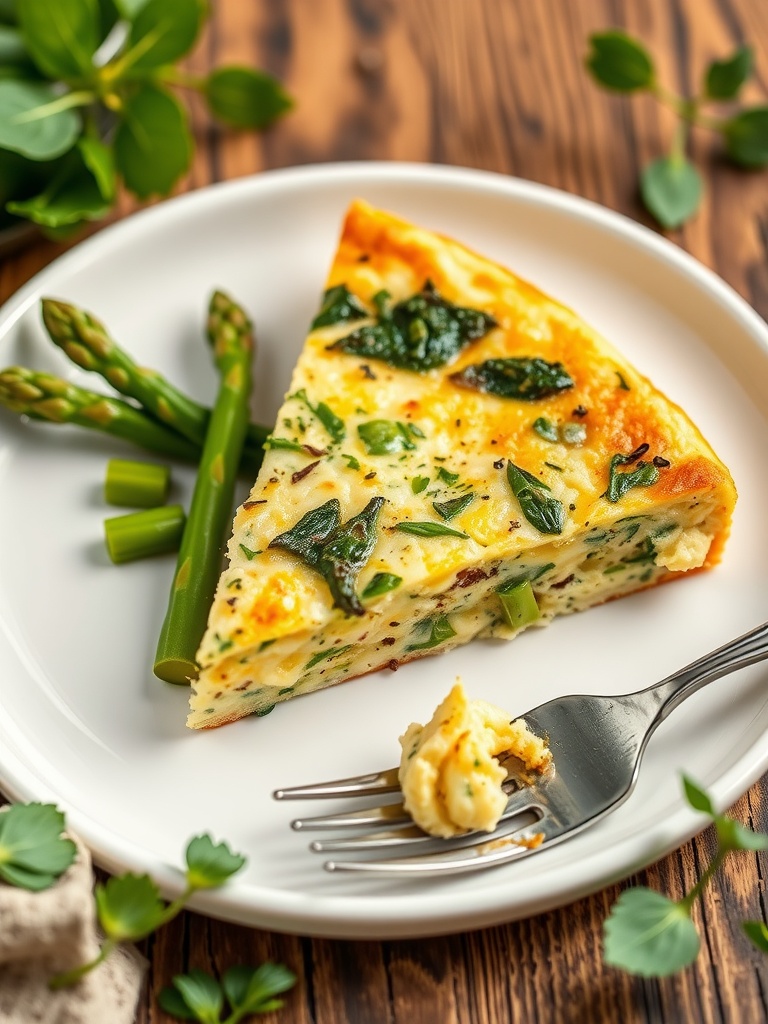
(362, 917)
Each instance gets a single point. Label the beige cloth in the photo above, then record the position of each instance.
(42, 933)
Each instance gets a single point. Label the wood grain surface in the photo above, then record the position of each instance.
(500, 85)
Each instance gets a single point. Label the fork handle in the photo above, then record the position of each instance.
(745, 650)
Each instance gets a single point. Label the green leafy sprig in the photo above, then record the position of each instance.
(73, 125)
(671, 186)
(247, 990)
(129, 907)
(33, 852)
(649, 934)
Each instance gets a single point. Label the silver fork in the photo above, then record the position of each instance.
(597, 744)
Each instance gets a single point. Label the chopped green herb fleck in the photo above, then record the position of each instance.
(265, 644)
(264, 711)
(419, 483)
(285, 689)
(416, 430)
(543, 512)
(446, 476)
(383, 437)
(546, 429)
(352, 462)
(339, 306)
(429, 530)
(381, 583)
(418, 334)
(441, 630)
(332, 652)
(529, 575)
(614, 568)
(450, 509)
(553, 466)
(527, 380)
(645, 475)
(623, 386)
(249, 554)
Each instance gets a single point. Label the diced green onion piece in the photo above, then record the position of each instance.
(136, 484)
(519, 605)
(155, 531)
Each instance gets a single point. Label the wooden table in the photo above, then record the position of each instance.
(496, 84)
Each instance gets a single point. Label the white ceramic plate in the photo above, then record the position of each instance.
(84, 723)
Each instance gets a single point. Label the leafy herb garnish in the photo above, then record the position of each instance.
(450, 509)
(419, 484)
(337, 552)
(332, 423)
(352, 462)
(546, 429)
(339, 306)
(66, 175)
(651, 935)
(529, 575)
(418, 334)
(248, 990)
(645, 475)
(383, 437)
(33, 852)
(542, 511)
(129, 907)
(382, 583)
(430, 530)
(527, 380)
(447, 476)
(671, 187)
(440, 631)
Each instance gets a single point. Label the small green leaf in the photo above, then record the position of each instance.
(381, 583)
(671, 188)
(202, 994)
(447, 476)
(129, 907)
(339, 306)
(352, 462)
(698, 798)
(619, 483)
(649, 935)
(545, 513)
(172, 1001)
(100, 161)
(383, 437)
(70, 197)
(734, 836)
(61, 35)
(419, 484)
(246, 98)
(757, 933)
(526, 380)
(331, 652)
(441, 630)
(724, 78)
(746, 137)
(253, 991)
(450, 509)
(153, 145)
(332, 423)
(546, 429)
(619, 62)
(22, 131)
(210, 864)
(429, 530)
(162, 31)
(33, 853)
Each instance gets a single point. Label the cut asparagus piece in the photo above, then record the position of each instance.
(49, 399)
(87, 342)
(136, 484)
(154, 531)
(199, 561)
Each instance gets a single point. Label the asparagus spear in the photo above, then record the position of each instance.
(41, 396)
(88, 344)
(47, 398)
(199, 561)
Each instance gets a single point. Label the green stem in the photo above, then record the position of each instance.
(175, 76)
(687, 901)
(210, 514)
(65, 102)
(67, 978)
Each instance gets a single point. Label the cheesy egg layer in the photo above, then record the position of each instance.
(458, 455)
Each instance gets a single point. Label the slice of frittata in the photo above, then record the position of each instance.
(458, 456)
